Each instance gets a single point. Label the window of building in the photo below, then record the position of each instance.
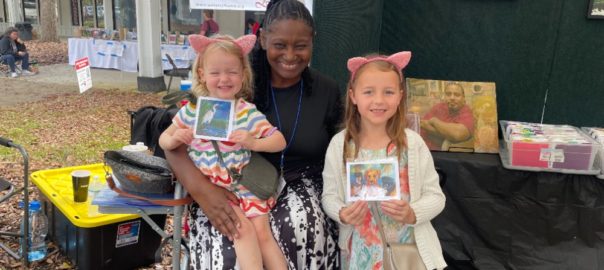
(100, 14)
(75, 15)
(87, 13)
(3, 14)
(30, 11)
(183, 19)
(124, 14)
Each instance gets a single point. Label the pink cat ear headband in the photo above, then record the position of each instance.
(399, 60)
(200, 42)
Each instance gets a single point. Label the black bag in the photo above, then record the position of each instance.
(259, 176)
(140, 173)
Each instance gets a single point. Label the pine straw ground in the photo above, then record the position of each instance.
(60, 131)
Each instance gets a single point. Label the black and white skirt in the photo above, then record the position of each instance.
(306, 236)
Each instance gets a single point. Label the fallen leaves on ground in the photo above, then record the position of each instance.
(66, 120)
(47, 53)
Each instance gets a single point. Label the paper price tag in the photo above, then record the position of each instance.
(552, 155)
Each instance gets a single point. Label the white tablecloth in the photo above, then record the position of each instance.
(183, 55)
(104, 54)
(123, 55)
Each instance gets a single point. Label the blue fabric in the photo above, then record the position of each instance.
(11, 59)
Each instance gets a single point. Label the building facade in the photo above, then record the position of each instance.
(176, 16)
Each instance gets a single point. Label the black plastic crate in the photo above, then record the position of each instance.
(98, 247)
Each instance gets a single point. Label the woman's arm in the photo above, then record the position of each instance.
(213, 200)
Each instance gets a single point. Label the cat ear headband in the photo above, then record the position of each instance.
(200, 42)
(399, 60)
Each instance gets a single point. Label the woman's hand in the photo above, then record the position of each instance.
(399, 210)
(214, 201)
(354, 213)
(244, 138)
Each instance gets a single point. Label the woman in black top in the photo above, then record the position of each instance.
(306, 107)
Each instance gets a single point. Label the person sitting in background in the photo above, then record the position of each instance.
(12, 50)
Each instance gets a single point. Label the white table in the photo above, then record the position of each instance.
(99, 53)
(183, 55)
(123, 55)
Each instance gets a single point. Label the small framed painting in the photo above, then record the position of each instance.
(376, 180)
(214, 119)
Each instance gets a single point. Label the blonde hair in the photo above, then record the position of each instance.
(395, 127)
(227, 45)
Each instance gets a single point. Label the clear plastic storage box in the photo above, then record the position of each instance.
(542, 147)
(598, 135)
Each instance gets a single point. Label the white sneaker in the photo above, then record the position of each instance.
(27, 73)
(14, 75)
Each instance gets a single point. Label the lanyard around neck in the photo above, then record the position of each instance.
(291, 138)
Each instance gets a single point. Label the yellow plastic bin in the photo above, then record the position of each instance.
(90, 239)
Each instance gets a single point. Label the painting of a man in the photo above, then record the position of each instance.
(448, 122)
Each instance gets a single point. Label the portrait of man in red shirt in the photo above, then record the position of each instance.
(448, 122)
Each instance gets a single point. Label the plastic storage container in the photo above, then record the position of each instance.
(90, 239)
(598, 135)
(185, 85)
(542, 147)
(38, 229)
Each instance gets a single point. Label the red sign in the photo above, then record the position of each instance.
(82, 63)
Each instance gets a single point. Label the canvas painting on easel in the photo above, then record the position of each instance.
(455, 116)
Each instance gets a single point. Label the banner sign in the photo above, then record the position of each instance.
(252, 5)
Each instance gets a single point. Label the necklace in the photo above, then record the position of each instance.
(293, 134)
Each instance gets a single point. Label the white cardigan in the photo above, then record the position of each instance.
(427, 197)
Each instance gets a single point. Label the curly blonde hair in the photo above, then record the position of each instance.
(227, 45)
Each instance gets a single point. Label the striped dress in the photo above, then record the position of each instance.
(201, 151)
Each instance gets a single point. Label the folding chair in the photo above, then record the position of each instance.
(183, 73)
(8, 190)
(152, 123)
(17, 67)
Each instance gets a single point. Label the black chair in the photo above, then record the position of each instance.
(183, 73)
(7, 191)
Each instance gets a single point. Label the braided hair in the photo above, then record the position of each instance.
(276, 10)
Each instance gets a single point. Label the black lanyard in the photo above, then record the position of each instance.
(291, 139)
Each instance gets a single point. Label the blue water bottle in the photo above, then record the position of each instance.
(38, 229)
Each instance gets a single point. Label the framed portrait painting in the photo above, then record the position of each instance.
(455, 116)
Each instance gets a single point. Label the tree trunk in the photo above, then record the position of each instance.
(48, 21)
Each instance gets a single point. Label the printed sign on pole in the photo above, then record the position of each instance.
(82, 67)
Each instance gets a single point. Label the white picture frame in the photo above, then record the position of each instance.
(214, 118)
(375, 180)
